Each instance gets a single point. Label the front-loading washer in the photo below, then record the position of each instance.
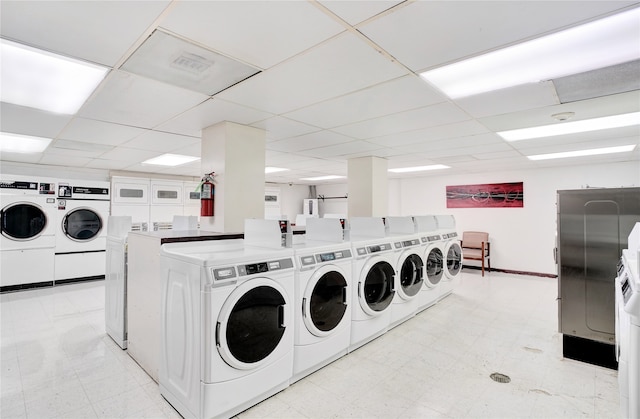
(409, 267)
(452, 253)
(433, 256)
(81, 236)
(28, 225)
(373, 280)
(227, 328)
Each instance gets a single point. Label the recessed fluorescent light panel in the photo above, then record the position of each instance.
(15, 143)
(170, 160)
(563, 128)
(178, 62)
(274, 169)
(43, 80)
(582, 153)
(419, 168)
(329, 177)
(602, 43)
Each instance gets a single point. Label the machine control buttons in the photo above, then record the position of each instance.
(223, 273)
(307, 260)
(262, 267)
(379, 247)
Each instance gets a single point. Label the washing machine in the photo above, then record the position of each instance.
(322, 309)
(28, 233)
(81, 236)
(409, 267)
(130, 196)
(227, 328)
(115, 286)
(373, 280)
(433, 256)
(452, 253)
(628, 326)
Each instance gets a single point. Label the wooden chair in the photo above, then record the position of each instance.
(475, 246)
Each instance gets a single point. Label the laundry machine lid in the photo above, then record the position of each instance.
(453, 258)
(252, 323)
(376, 288)
(324, 302)
(23, 221)
(434, 266)
(82, 224)
(410, 275)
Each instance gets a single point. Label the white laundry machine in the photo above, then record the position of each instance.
(167, 200)
(130, 196)
(433, 256)
(373, 280)
(81, 236)
(628, 326)
(452, 252)
(191, 202)
(322, 308)
(227, 328)
(28, 233)
(115, 286)
(409, 267)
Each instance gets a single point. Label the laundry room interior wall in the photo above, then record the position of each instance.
(522, 239)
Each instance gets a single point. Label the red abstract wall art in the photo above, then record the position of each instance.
(487, 195)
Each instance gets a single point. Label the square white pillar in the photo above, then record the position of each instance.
(236, 153)
(368, 186)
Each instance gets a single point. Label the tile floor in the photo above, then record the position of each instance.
(57, 362)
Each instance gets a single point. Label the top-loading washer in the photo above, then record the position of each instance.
(28, 232)
(409, 267)
(373, 280)
(452, 251)
(227, 327)
(434, 260)
(322, 308)
(81, 242)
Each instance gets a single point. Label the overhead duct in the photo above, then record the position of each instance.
(597, 83)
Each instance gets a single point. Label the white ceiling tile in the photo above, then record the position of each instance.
(518, 98)
(129, 155)
(402, 94)
(98, 132)
(279, 128)
(434, 153)
(338, 66)
(64, 160)
(354, 12)
(440, 132)
(107, 164)
(211, 112)
(20, 157)
(434, 115)
(96, 31)
(425, 34)
(308, 141)
(193, 149)
(127, 99)
(160, 141)
(586, 144)
(603, 137)
(262, 33)
(498, 155)
(28, 121)
(342, 149)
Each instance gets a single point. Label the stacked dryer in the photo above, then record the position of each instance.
(452, 251)
(167, 201)
(434, 260)
(28, 221)
(628, 326)
(409, 268)
(81, 242)
(131, 197)
(373, 280)
(322, 309)
(227, 323)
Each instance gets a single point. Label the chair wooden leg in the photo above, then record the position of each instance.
(482, 266)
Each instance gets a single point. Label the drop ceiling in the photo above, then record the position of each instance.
(327, 80)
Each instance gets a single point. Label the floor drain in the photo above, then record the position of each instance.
(500, 378)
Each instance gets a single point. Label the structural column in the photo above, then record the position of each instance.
(368, 187)
(236, 153)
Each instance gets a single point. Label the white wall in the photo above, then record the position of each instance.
(522, 239)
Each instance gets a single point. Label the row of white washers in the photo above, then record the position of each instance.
(628, 326)
(244, 320)
(53, 231)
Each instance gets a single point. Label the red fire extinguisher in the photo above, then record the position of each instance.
(207, 195)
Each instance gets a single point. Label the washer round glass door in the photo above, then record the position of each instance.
(434, 267)
(454, 259)
(411, 276)
(376, 290)
(325, 300)
(252, 323)
(82, 224)
(23, 221)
